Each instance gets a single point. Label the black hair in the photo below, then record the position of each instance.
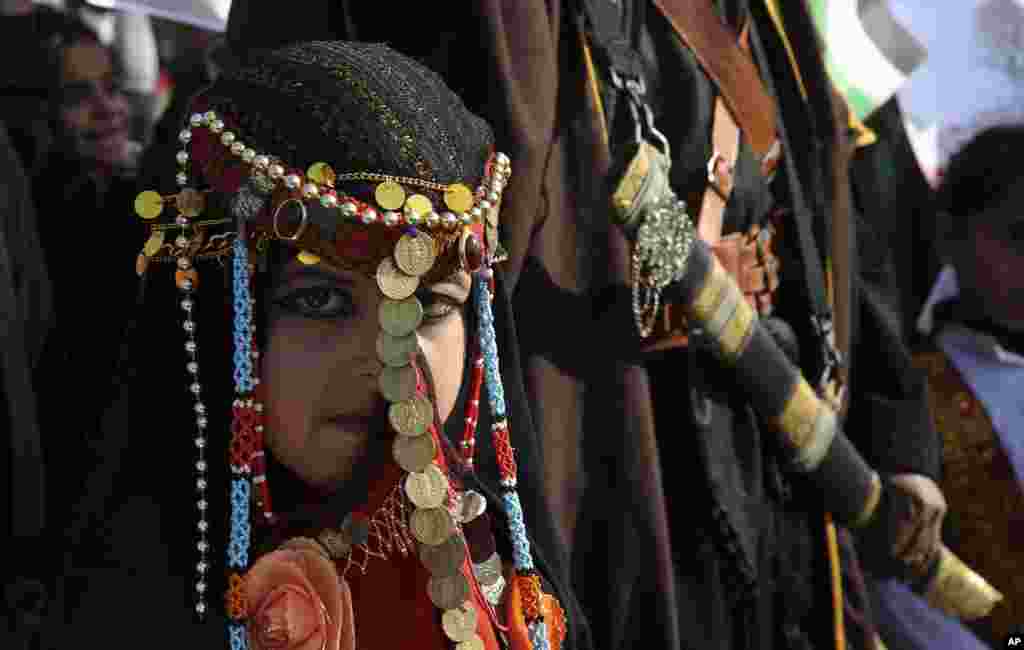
(980, 177)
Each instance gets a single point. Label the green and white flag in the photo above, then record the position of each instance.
(868, 54)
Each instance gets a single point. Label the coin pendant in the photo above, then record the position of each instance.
(427, 489)
(396, 351)
(458, 198)
(417, 206)
(471, 506)
(444, 559)
(488, 572)
(431, 526)
(336, 542)
(322, 174)
(397, 384)
(449, 592)
(389, 195)
(153, 244)
(393, 283)
(149, 204)
(475, 643)
(460, 624)
(400, 317)
(415, 255)
(414, 454)
(412, 417)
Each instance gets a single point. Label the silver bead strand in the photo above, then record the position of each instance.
(201, 483)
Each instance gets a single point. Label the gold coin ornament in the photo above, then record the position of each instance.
(400, 317)
(411, 418)
(444, 559)
(427, 489)
(431, 526)
(458, 198)
(321, 173)
(190, 203)
(471, 505)
(489, 572)
(397, 384)
(389, 195)
(149, 204)
(418, 206)
(153, 244)
(460, 624)
(307, 258)
(414, 453)
(396, 351)
(476, 643)
(337, 543)
(415, 254)
(393, 283)
(449, 592)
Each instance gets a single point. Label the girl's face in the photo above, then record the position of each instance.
(93, 111)
(320, 367)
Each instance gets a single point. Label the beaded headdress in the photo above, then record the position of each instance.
(381, 212)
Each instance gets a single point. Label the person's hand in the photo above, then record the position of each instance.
(919, 508)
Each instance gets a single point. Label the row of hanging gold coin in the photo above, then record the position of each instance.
(442, 548)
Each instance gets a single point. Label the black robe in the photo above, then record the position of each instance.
(747, 537)
(24, 326)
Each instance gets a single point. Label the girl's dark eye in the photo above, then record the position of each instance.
(318, 302)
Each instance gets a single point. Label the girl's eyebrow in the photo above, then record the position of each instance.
(315, 272)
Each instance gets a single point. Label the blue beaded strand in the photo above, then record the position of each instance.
(241, 529)
(243, 320)
(522, 557)
(489, 347)
(240, 539)
(239, 638)
(538, 631)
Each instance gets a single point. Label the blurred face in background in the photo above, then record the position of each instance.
(93, 111)
(990, 263)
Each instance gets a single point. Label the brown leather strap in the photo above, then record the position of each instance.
(725, 141)
(730, 68)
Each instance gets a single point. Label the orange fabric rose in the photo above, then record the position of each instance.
(297, 601)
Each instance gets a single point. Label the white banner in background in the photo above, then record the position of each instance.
(211, 15)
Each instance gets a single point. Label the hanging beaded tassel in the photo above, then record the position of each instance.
(522, 558)
(245, 432)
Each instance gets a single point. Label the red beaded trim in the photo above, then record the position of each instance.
(503, 451)
(473, 410)
(243, 435)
